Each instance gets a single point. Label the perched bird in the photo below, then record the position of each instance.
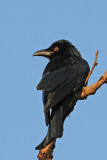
(61, 83)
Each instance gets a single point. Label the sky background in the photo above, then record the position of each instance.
(28, 26)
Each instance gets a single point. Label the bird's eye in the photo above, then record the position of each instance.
(56, 49)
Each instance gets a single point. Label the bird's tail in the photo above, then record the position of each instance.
(55, 129)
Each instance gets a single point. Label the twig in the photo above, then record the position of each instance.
(95, 64)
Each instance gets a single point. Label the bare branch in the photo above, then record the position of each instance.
(95, 64)
(93, 88)
(47, 152)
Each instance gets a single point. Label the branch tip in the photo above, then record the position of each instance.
(95, 64)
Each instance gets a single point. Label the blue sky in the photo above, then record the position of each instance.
(25, 27)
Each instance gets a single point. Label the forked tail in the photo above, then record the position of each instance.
(55, 129)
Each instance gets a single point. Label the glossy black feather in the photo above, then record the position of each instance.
(62, 82)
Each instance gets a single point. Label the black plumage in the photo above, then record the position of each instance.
(61, 83)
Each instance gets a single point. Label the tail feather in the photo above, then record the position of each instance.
(48, 139)
(55, 129)
(57, 122)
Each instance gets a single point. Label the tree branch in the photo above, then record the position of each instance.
(47, 152)
(95, 64)
(93, 88)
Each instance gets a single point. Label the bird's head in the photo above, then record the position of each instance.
(60, 47)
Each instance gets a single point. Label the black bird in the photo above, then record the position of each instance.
(62, 82)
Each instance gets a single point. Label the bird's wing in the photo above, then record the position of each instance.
(51, 80)
(62, 82)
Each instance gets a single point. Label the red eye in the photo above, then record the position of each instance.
(56, 49)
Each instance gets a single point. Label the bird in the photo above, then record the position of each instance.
(61, 84)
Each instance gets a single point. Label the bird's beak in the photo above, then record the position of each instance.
(42, 53)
